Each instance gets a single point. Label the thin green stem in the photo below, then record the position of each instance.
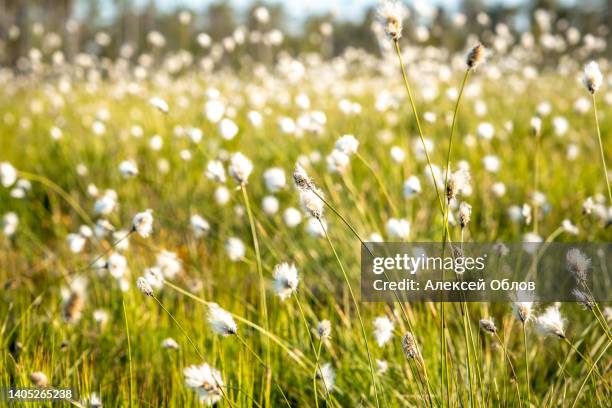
(536, 182)
(381, 185)
(418, 123)
(601, 149)
(363, 332)
(526, 365)
(262, 287)
(129, 348)
(311, 342)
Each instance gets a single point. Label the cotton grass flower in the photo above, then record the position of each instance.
(285, 280)
(312, 203)
(128, 169)
(398, 228)
(324, 329)
(347, 144)
(199, 225)
(392, 13)
(383, 330)
(488, 325)
(301, 179)
(240, 168)
(39, 379)
(116, 264)
(142, 223)
(170, 343)
(274, 179)
(106, 203)
(154, 277)
(10, 223)
(143, 285)
(465, 214)
(337, 161)
(169, 264)
(584, 298)
(76, 242)
(206, 381)
(551, 323)
(578, 264)
(458, 181)
(592, 77)
(412, 187)
(476, 56)
(292, 217)
(221, 321)
(235, 249)
(523, 306)
(8, 174)
(327, 375)
(215, 171)
(228, 129)
(409, 346)
(159, 104)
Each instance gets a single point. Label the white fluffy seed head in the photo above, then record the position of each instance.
(240, 168)
(327, 375)
(312, 203)
(551, 323)
(206, 381)
(301, 179)
(347, 144)
(457, 182)
(221, 321)
(522, 311)
(383, 330)
(39, 379)
(476, 56)
(144, 286)
(488, 325)
(592, 77)
(286, 280)
(392, 13)
(409, 346)
(578, 264)
(324, 329)
(142, 223)
(159, 103)
(465, 214)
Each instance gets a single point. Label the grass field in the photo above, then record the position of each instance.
(70, 308)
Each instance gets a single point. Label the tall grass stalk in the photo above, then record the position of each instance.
(443, 370)
(262, 287)
(536, 181)
(354, 300)
(450, 147)
(527, 383)
(381, 185)
(129, 349)
(601, 148)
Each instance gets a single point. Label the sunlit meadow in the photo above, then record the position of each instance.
(176, 232)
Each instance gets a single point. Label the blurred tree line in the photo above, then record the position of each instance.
(103, 27)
